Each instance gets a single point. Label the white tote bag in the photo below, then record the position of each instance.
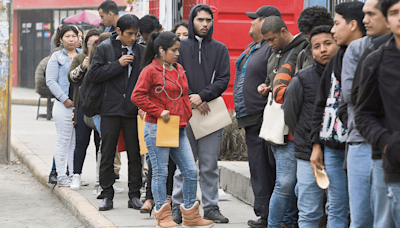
(273, 129)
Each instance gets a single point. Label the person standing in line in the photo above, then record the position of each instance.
(162, 90)
(310, 18)
(328, 135)
(148, 24)
(181, 29)
(76, 72)
(298, 108)
(207, 66)
(115, 63)
(251, 70)
(57, 81)
(359, 161)
(282, 63)
(108, 11)
(377, 118)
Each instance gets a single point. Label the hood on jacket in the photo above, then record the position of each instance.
(191, 26)
(296, 41)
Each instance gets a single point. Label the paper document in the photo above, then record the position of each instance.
(168, 133)
(216, 119)
(142, 143)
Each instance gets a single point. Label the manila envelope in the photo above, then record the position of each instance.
(168, 133)
(142, 143)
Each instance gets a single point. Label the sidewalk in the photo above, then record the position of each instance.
(34, 141)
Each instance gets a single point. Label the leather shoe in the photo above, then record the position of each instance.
(106, 205)
(261, 222)
(135, 203)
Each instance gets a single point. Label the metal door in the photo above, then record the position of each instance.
(35, 31)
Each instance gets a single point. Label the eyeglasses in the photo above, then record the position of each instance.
(208, 20)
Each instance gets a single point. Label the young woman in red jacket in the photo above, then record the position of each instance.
(162, 90)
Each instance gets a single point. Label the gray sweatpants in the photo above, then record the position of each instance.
(206, 151)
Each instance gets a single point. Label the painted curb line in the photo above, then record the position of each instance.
(87, 214)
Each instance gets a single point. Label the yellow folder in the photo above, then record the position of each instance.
(168, 133)
(142, 143)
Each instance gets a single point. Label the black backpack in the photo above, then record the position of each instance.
(91, 94)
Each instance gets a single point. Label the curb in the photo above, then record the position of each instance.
(234, 177)
(24, 101)
(87, 214)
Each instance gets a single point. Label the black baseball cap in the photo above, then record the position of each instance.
(265, 11)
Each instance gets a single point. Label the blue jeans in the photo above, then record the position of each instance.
(310, 196)
(182, 156)
(380, 203)
(394, 199)
(96, 120)
(359, 167)
(338, 197)
(282, 206)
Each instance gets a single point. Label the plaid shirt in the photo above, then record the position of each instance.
(145, 97)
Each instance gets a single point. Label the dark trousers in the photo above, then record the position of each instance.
(262, 170)
(170, 179)
(82, 133)
(110, 128)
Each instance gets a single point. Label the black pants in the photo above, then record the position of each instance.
(110, 129)
(262, 170)
(82, 133)
(170, 179)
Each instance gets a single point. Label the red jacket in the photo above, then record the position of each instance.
(144, 94)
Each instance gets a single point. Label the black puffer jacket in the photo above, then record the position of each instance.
(105, 68)
(299, 107)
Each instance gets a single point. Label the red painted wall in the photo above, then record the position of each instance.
(37, 4)
(15, 55)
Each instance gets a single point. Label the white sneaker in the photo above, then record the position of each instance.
(118, 190)
(84, 183)
(76, 182)
(63, 181)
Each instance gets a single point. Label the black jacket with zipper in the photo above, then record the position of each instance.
(378, 107)
(206, 63)
(299, 107)
(105, 68)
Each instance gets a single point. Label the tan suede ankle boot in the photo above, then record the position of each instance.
(193, 219)
(164, 217)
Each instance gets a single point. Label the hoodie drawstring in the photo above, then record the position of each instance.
(200, 51)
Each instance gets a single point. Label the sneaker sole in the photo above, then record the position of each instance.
(75, 188)
(216, 221)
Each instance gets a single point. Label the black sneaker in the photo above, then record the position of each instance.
(176, 214)
(261, 222)
(215, 215)
(53, 177)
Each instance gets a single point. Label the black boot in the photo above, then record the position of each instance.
(261, 222)
(53, 177)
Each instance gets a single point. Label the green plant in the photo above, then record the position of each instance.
(233, 146)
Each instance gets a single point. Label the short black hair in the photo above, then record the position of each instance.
(273, 24)
(149, 23)
(179, 24)
(109, 6)
(128, 21)
(313, 16)
(352, 11)
(202, 7)
(320, 29)
(385, 5)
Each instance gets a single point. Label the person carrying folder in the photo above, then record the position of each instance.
(162, 92)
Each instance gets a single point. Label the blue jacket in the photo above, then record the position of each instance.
(57, 74)
(254, 72)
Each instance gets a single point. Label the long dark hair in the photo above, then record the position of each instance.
(90, 33)
(157, 39)
(102, 37)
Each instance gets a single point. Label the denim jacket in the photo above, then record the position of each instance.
(57, 74)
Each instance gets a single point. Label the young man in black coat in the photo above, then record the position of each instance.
(115, 63)
(377, 114)
(298, 108)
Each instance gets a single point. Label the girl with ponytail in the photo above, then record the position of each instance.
(162, 90)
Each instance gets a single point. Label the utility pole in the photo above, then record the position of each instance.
(5, 79)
